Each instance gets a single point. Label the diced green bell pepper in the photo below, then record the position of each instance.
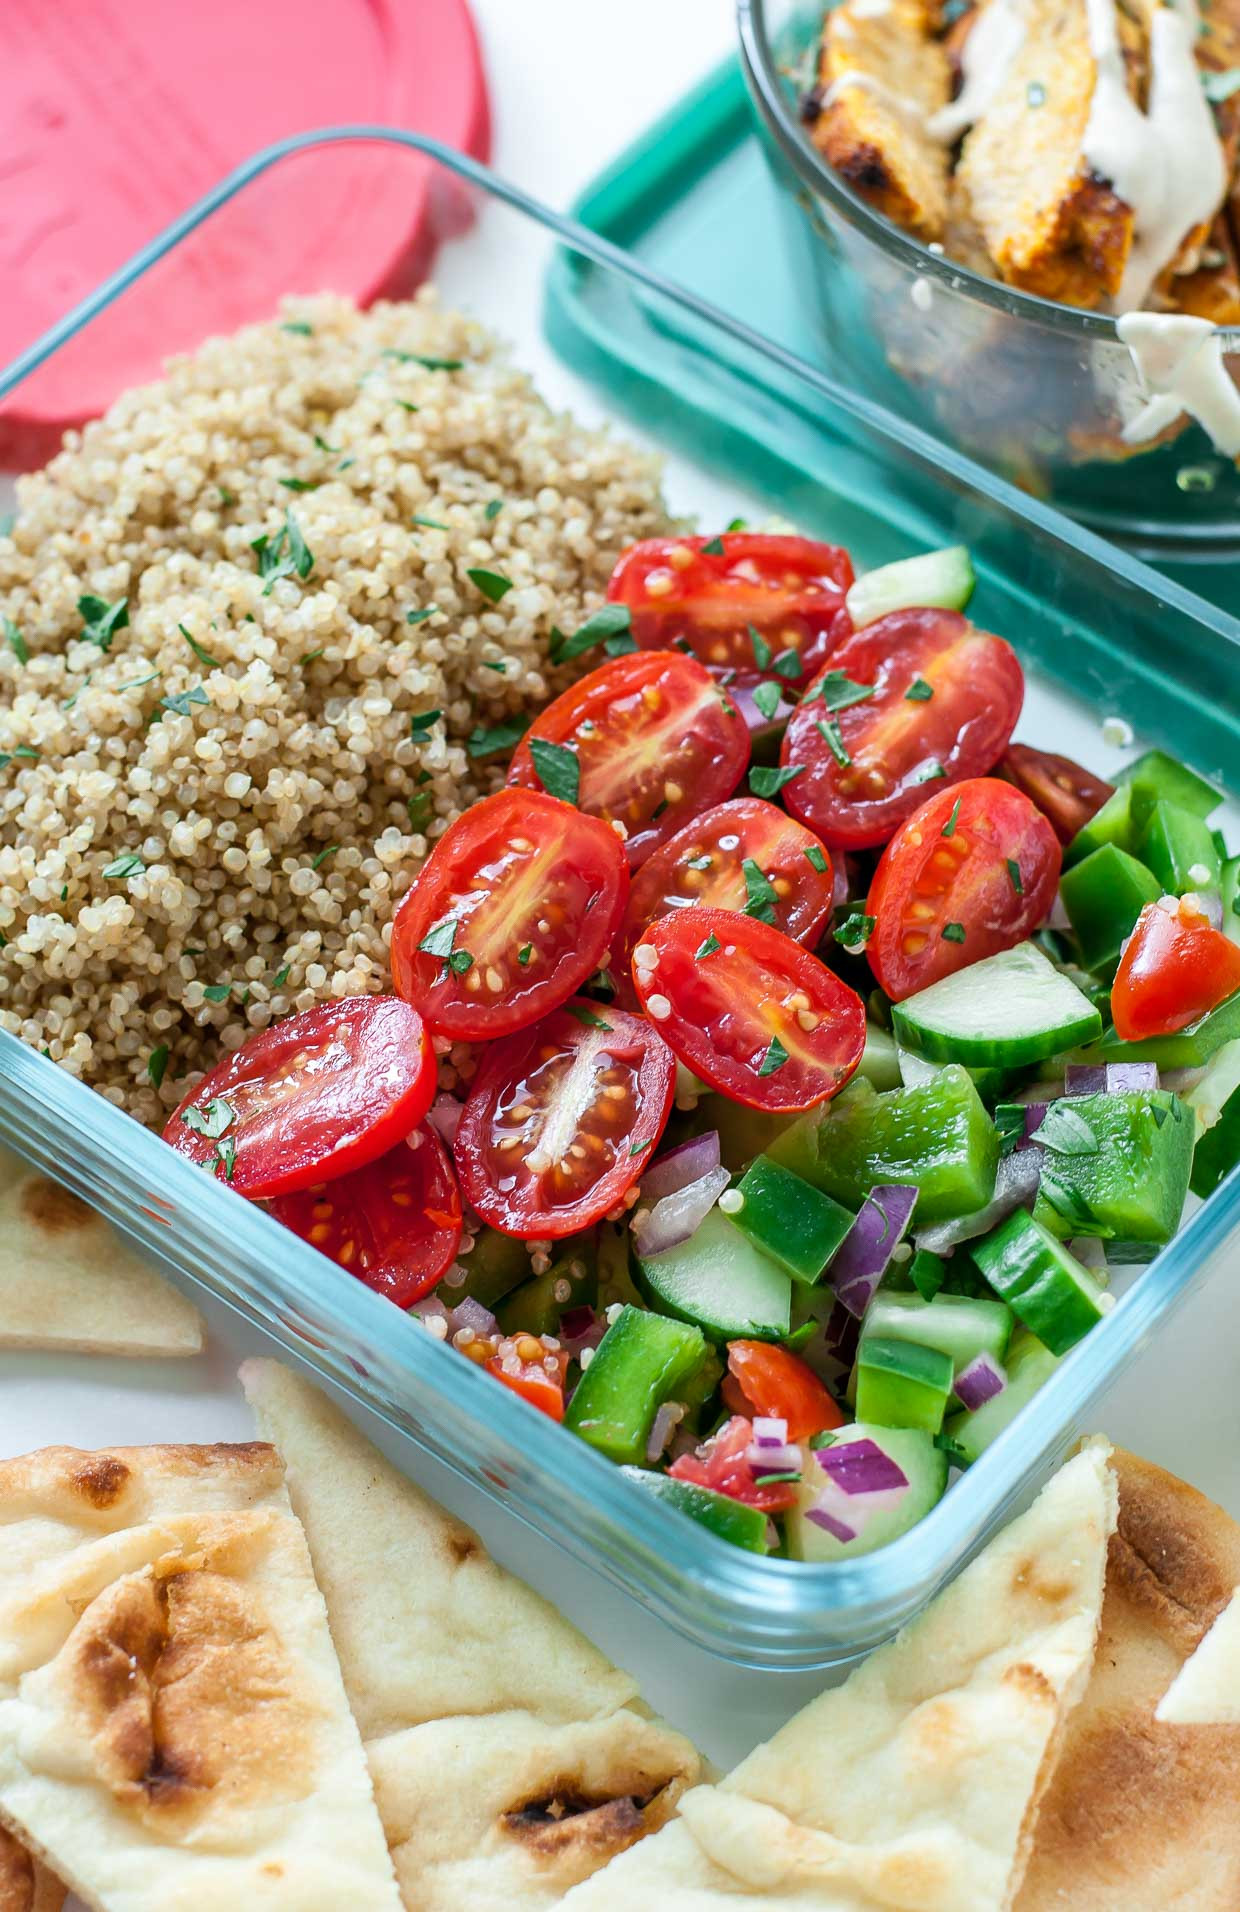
(1130, 1184)
(1110, 825)
(1045, 1287)
(536, 1306)
(1158, 778)
(902, 1383)
(796, 1223)
(880, 1060)
(730, 1519)
(926, 1273)
(1215, 1104)
(1189, 1048)
(936, 1138)
(1104, 896)
(1179, 848)
(493, 1267)
(641, 1362)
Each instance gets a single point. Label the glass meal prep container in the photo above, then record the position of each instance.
(1037, 391)
(1099, 634)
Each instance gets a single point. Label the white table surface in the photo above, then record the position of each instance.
(572, 81)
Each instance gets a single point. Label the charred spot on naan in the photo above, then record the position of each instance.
(564, 1821)
(101, 1479)
(53, 1209)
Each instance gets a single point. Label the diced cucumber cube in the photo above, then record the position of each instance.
(880, 1062)
(1112, 824)
(730, 1519)
(1189, 1048)
(789, 1219)
(1121, 1170)
(1008, 1009)
(1179, 848)
(722, 1282)
(640, 1363)
(927, 1273)
(1103, 897)
(902, 1383)
(935, 578)
(1028, 1365)
(1045, 1287)
(919, 1460)
(957, 1325)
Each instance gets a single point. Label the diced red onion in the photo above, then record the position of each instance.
(431, 1308)
(444, 1116)
(576, 1323)
(679, 1215)
(861, 1467)
(770, 1431)
(1035, 1116)
(765, 1459)
(1182, 1080)
(1058, 918)
(1111, 1078)
(679, 1166)
(666, 1421)
(1016, 1185)
(1089, 1250)
(471, 1314)
(832, 1523)
(979, 1381)
(860, 1262)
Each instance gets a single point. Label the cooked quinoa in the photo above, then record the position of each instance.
(213, 799)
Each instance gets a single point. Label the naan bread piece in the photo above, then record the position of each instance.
(913, 1787)
(174, 1733)
(1206, 1690)
(1142, 1815)
(508, 1763)
(67, 1280)
(25, 1885)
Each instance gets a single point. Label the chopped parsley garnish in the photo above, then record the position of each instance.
(26, 751)
(949, 828)
(420, 617)
(494, 664)
(310, 657)
(203, 656)
(609, 621)
(227, 497)
(213, 1119)
(767, 697)
(587, 1017)
(832, 737)
(16, 642)
(707, 948)
(929, 772)
(285, 555)
(1220, 86)
(156, 1064)
(856, 930)
(300, 326)
(919, 692)
(407, 405)
(459, 961)
(493, 509)
(838, 691)
(787, 664)
(324, 446)
(557, 768)
(775, 1058)
(761, 649)
(703, 862)
(482, 742)
(816, 859)
(658, 810)
(491, 584)
(735, 524)
(639, 1148)
(428, 524)
(225, 1158)
(767, 780)
(136, 683)
(318, 861)
(419, 809)
(281, 976)
(1010, 1122)
(770, 1480)
(184, 701)
(299, 484)
(431, 364)
(440, 940)
(422, 722)
(953, 932)
(759, 892)
(1013, 870)
(217, 992)
(130, 864)
(101, 620)
(524, 954)
(713, 548)
(1066, 1132)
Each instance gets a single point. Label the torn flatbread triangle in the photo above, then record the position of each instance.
(174, 1733)
(508, 1755)
(914, 1786)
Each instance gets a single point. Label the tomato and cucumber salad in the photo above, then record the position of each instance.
(776, 1125)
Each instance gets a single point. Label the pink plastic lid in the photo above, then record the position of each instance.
(115, 115)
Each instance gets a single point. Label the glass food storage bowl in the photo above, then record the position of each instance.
(1041, 393)
(748, 428)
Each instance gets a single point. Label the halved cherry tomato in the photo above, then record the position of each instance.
(534, 1381)
(395, 1224)
(720, 1464)
(747, 1009)
(562, 1118)
(744, 855)
(521, 899)
(310, 1098)
(972, 872)
(946, 699)
(1066, 793)
(655, 741)
(687, 590)
(1175, 968)
(772, 1382)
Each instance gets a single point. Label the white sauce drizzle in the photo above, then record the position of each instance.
(1167, 163)
(1180, 362)
(985, 62)
(871, 84)
(869, 9)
